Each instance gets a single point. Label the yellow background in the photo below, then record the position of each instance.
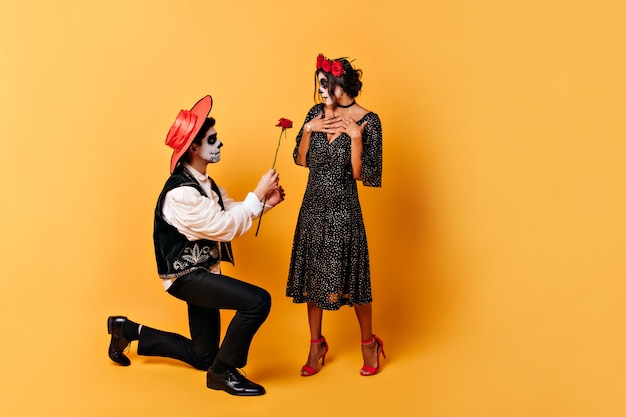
(497, 241)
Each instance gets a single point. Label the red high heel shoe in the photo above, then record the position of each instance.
(370, 370)
(309, 371)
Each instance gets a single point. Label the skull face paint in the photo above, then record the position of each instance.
(323, 90)
(210, 147)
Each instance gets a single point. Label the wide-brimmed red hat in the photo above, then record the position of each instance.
(186, 127)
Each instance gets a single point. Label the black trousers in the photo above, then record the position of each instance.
(205, 294)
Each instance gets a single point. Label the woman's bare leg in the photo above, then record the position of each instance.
(316, 350)
(364, 316)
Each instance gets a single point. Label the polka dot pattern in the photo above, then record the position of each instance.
(330, 260)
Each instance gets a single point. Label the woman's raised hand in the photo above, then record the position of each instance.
(352, 128)
(326, 125)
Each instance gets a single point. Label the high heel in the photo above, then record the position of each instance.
(367, 370)
(310, 371)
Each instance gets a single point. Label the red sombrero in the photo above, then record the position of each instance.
(186, 127)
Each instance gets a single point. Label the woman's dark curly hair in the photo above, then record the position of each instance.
(350, 81)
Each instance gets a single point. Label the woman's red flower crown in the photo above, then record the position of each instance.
(334, 67)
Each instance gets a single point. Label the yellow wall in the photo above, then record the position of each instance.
(497, 240)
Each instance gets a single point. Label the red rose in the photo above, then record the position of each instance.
(320, 59)
(326, 65)
(337, 69)
(284, 123)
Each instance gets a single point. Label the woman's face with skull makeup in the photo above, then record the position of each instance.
(324, 92)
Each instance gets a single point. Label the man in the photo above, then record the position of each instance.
(193, 224)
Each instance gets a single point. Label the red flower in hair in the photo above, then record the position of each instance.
(334, 67)
(337, 69)
(320, 59)
(326, 65)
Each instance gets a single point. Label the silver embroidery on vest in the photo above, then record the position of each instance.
(196, 255)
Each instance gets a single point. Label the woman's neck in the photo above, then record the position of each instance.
(347, 103)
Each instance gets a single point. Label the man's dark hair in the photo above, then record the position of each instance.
(209, 122)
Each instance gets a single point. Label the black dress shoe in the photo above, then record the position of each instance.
(233, 382)
(118, 343)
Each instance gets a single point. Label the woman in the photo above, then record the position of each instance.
(340, 142)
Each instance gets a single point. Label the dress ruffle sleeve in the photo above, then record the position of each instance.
(372, 169)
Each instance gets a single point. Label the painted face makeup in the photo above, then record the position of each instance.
(324, 89)
(210, 147)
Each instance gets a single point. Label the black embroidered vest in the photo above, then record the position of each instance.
(175, 254)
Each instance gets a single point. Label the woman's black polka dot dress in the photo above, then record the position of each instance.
(329, 259)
